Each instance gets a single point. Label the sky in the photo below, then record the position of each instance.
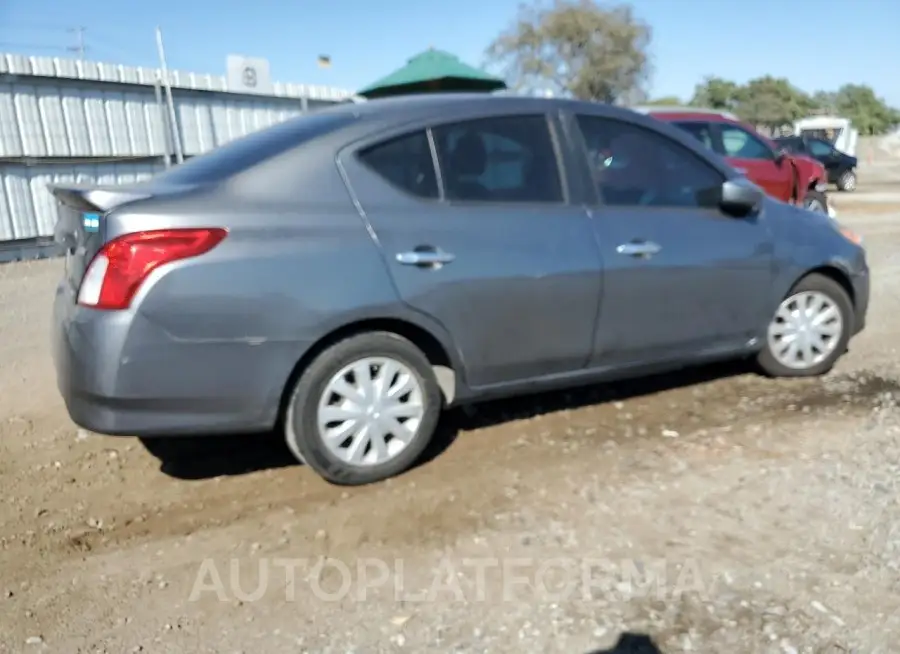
(817, 44)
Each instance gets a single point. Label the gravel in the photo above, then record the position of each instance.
(714, 511)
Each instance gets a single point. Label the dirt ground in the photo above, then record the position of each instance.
(715, 510)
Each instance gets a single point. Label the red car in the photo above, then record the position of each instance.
(790, 178)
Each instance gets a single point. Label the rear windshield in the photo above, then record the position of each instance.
(238, 155)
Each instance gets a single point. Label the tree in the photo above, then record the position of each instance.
(666, 101)
(772, 102)
(715, 93)
(869, 113)
(576, 48)
(825, 102)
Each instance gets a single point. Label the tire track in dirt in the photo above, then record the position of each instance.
(460, 492)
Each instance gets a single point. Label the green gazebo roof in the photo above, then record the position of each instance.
(433, 70)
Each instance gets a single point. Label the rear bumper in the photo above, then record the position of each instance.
(119, 375)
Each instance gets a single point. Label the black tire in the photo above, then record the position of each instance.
(816, 201)
(847, 181)
(302, 434)
(835, 292)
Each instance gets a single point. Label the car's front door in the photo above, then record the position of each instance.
(680, 277)
(825, 153)
(747, 152)
(488, 246)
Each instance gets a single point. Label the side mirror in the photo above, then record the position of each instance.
(740, 197)
(780, 155)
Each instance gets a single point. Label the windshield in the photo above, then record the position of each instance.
(239, 155)
(789, 143)
(829, 134)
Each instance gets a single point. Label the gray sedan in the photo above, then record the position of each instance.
(346, 275)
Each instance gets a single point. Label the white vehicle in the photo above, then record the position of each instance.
(834, 129)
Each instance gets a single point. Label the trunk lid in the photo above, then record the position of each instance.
(82, 217)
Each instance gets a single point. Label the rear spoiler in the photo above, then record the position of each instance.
(80, 200)
(94, 198)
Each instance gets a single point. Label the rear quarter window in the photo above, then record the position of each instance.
(406, 163)
(241, 154)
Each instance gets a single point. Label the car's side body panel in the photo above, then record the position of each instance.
(209, 344)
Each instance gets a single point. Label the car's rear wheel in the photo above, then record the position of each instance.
(810, 329)
(364, 410)
(816, 201)
(847, 181)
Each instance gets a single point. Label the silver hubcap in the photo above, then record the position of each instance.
(850, 182)
(805, 331)
(815, 205)
(370, 411)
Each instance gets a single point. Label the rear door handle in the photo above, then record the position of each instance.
(639, 249)
(425, 258)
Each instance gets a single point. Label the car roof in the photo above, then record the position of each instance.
(687, 113)
(362, 123)
(437, 102)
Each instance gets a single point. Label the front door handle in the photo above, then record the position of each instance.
(425, 258)
(639, 249)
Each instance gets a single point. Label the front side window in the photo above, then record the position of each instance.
(499, 159)
(819, 148)
(739, 143)
(406, 163)
(637, 167)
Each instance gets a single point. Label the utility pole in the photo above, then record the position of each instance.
(167, 87)
(79, 46)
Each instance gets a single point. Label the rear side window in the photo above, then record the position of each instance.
(700, 131)
(248, 151)
(406, 163)
(499, 159)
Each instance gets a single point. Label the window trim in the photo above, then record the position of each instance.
(436, 162)
(555, 144)
(592, 184)
(752, 134)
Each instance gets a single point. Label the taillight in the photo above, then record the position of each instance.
(121, 266)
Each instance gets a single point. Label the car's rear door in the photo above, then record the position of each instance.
(681, 279)
(486, 243)
(751, 155)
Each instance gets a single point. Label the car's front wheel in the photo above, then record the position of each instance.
(847, 181)
(810, 329)
(816, 201)
(364, 410)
